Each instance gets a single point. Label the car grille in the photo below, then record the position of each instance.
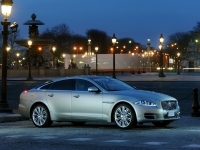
(169, 105)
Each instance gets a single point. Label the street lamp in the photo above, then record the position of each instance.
(89, 46)
(63, 56)
(178, 58)
(17, 54)
(6, 7)
(8, 49)
(143, 63)
(161, 74)
(148, 52)
(96, 50)
(54, 50)
(29, 60)
(114, 40)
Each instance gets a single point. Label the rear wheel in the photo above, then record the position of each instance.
(40, 116)
(124, 116)
(161, 123)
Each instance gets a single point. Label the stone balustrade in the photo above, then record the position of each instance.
(46, 72)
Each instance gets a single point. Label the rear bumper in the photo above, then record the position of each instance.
(24, 111)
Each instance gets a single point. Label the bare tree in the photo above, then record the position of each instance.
(12, 37)
(178, 42)
(62, 36)
(100, 39)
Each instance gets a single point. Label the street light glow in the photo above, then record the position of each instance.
(53, 49)
(6, 7)
(161, 38)
(29, 43)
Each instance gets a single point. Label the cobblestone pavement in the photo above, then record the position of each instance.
(182, 134)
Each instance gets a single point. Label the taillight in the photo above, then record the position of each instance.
(25, 91)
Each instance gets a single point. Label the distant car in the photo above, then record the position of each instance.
(82, 99)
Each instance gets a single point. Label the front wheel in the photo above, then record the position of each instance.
(161, 123)
(124, 116)
(40, 116)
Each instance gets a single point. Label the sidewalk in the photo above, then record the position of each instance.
(15, 116)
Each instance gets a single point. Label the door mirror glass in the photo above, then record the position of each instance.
(93, 89)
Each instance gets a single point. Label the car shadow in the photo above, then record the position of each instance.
(104, 125)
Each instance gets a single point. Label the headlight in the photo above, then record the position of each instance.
(144, 103)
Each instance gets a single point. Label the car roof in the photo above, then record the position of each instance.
(80, 77)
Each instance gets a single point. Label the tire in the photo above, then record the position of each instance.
(124, 116)
(40, 116)
(78, 123)
(161, 123)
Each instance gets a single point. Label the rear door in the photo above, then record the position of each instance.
(59, 98)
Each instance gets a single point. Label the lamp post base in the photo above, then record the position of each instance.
(195, 114)
(161, 75)
(114, 76)
(4, 108)
(29, 78)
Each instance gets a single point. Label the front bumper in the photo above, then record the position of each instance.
(155, 113)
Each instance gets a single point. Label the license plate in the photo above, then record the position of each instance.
(171, 114)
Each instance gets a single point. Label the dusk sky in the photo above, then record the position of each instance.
(137, 19)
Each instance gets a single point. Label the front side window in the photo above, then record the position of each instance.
(111, 84)
(82, 85)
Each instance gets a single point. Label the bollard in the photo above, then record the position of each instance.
(195, 104)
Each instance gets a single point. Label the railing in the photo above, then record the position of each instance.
(191, 69)
(46, 72)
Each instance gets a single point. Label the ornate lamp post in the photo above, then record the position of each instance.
(161, 74)
(114, 40)
(178, 59)
(96, 50)
(29, 60)
(6, 7)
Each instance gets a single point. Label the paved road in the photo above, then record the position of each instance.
(183, 91)
(183, 134)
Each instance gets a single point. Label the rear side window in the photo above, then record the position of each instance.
(63, 85)
(47, 86)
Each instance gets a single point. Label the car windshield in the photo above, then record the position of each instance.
(111, 84)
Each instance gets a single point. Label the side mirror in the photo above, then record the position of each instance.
(93, 89)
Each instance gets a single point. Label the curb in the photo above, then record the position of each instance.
(11, 118)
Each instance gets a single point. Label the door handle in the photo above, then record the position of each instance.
(76, 96)
(51, 95)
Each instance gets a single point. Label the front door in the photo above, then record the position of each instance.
(86, 105)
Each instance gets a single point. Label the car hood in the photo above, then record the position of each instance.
(144, 95)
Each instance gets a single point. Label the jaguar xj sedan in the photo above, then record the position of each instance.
(82, 99)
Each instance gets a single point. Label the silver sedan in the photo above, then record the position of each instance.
(82, 99)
